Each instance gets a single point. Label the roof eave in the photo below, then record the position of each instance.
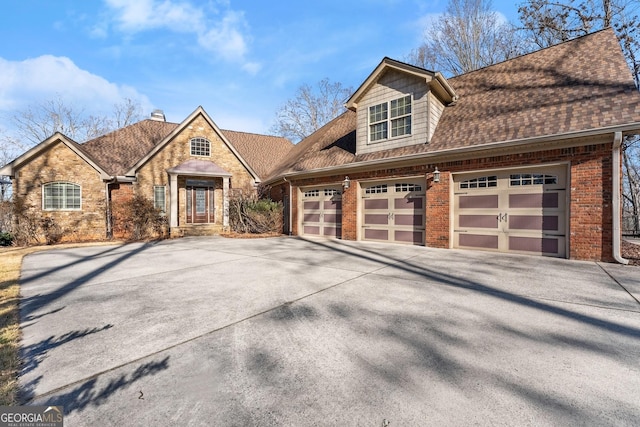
(626, 129)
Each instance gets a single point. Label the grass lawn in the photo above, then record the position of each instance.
(10, 265)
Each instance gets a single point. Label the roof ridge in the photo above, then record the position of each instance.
(534, 52)
(253, 133)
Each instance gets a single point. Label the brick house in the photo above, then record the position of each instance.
(187, 169)
(522, 156)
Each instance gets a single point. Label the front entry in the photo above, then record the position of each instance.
(200, 206)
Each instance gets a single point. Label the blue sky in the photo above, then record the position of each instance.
(239, 59)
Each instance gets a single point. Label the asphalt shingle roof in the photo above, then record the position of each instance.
(118, 151)
(579, 85)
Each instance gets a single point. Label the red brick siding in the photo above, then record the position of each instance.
(590, 232)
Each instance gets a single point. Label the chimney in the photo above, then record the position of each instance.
(158, 115)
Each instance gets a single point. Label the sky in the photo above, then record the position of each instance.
(238, 59)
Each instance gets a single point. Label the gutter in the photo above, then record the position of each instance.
(617, 234)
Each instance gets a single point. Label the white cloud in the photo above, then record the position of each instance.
(45, 77)
(224, 32)
(252, 68)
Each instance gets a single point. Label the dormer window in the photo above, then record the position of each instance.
(395, 114)
(200, 147)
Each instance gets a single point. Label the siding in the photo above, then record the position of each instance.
(435, 111)
(393, 85)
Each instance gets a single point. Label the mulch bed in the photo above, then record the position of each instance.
(631, 252)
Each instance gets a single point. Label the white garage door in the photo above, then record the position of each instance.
(512, 211)
(322, 211)
(394, 211)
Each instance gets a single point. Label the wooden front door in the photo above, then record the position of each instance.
(200, 205)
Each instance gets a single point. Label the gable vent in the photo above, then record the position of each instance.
(158, 115)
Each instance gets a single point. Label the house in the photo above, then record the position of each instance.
(522, 156)
(188, 169)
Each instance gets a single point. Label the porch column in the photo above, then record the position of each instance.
(225, 201)
(173, 200)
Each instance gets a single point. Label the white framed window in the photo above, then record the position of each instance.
(404, 187)
(159, 198)
(394, 115)
(516, 180)
(331, 192)
(376, 189)
(481, 182)
(200, 147)
(312, 193)
(61, 196)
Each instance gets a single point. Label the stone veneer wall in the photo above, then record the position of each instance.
(60, 164)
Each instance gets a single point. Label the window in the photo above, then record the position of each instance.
(376, 189)
(159, 201)
(532, 179)
(312, 193)
(395, 114)
(481, 182)
(403, 187)
(61, 196)
(331, 192)
(200, 147)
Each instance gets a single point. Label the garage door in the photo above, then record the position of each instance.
(394, 211)
(512, 211)
(322, 211)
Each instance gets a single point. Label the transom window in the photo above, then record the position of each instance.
(61, 196)
(481, 182)
(376, 189)
(159, 198)
(200, 147)
(532, 179)
(395, 114)
(404, 187)
(312, 193)
(331, 192)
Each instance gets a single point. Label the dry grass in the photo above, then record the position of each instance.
(10, 265)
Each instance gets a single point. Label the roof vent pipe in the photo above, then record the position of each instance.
(158, 115)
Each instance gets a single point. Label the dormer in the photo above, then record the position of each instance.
(398, 105)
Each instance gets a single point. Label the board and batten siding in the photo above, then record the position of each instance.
(393, 85)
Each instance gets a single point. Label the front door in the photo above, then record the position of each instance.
(200, 205)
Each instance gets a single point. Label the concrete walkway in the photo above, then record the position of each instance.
(286, 331)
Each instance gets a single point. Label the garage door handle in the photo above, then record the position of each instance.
(502, 217)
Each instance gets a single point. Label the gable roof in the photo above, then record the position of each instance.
(552, 92)
(262, 152)
(435, 80)
(9, 168)
(125, 149)
(119, 150)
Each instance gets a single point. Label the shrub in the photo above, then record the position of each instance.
(51, 230)
(248, 214)
(138, 218)
(6, 239)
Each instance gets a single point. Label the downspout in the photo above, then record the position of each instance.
(617, 150)
(290, 202)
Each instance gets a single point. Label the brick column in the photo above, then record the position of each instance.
(225, 201)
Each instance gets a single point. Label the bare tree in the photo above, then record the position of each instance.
(310, 109)
(548, 22)
(468, 36)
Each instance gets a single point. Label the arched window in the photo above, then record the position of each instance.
(200, 147)
(61, 196)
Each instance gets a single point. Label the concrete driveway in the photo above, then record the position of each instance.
(287, 331)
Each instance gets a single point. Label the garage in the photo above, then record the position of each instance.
(394, 211)
(322, 211)
(521, 210)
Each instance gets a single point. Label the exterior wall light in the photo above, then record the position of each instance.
(346, 183)
(436, 175)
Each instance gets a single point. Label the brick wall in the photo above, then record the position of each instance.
(590, 211)
(59, 163)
